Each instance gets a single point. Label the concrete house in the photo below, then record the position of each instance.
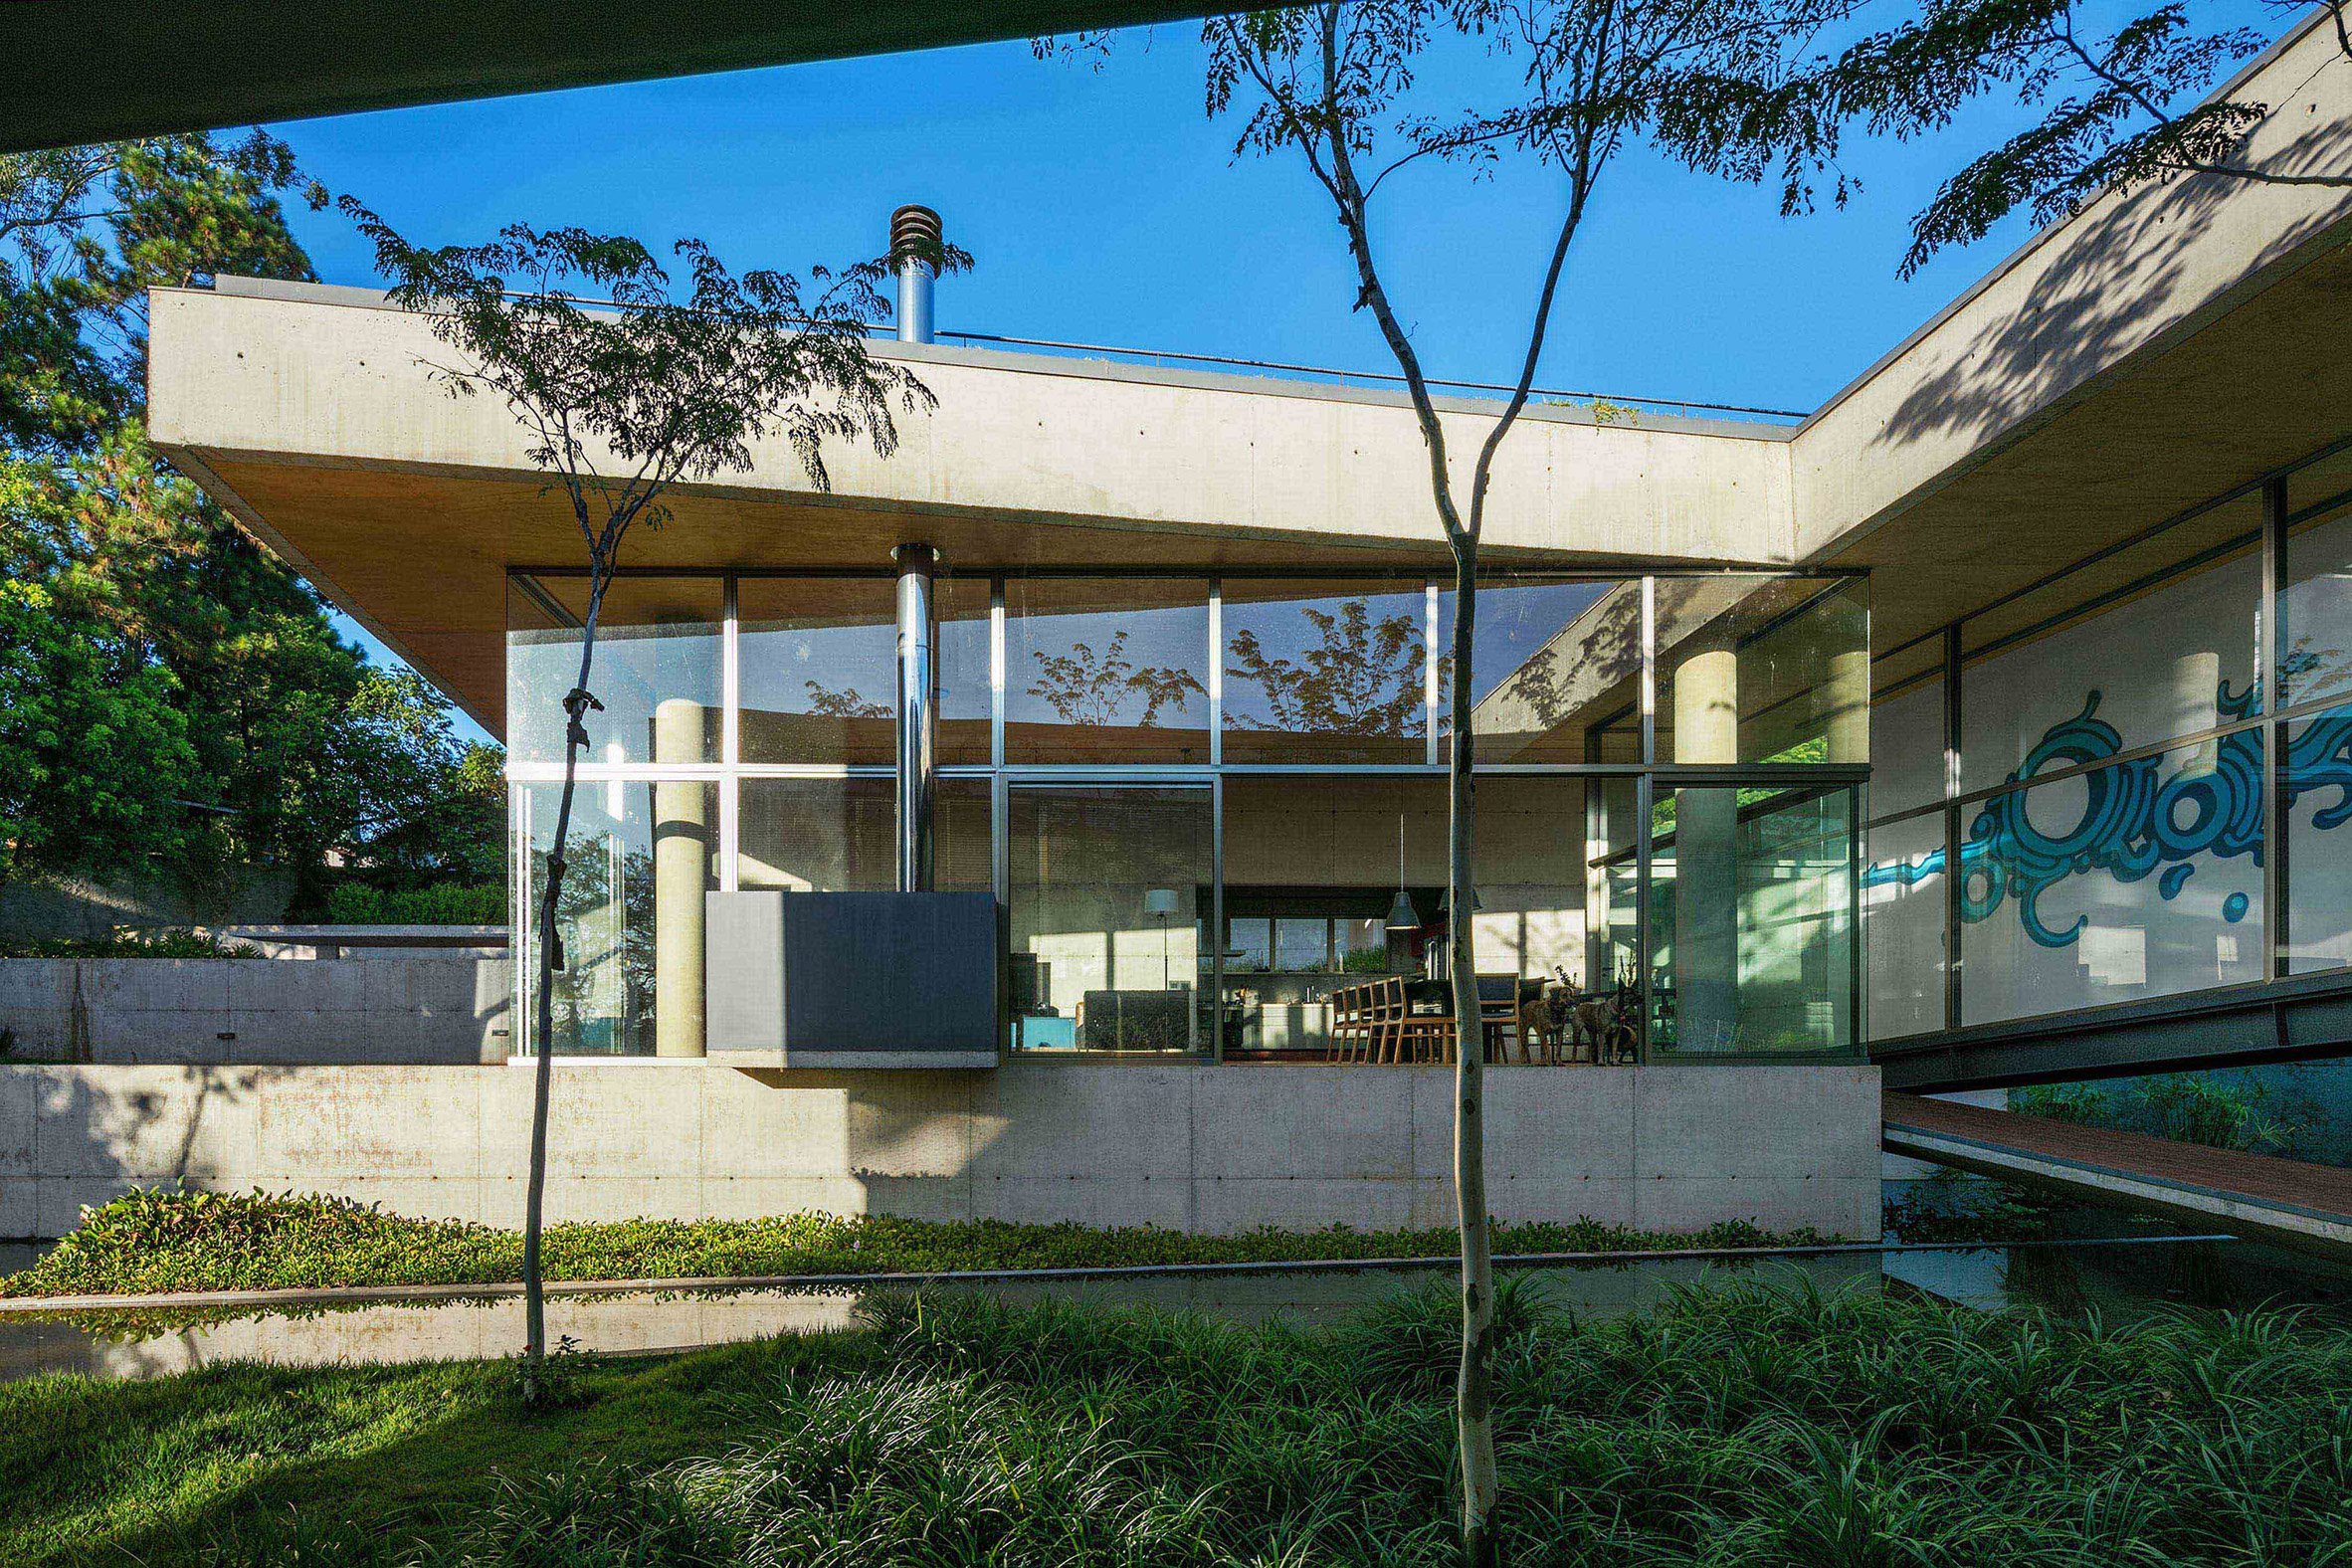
(1049, 821)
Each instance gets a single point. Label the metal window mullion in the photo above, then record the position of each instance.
(1649, 676)
(2277, 930)
(1429, 665)
(996, 671)
(731, 819)
(1216, 670)
(1952, 900)
(1215, 932)
(1645, 812)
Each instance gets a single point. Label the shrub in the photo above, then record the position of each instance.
(441, 903)
(160, 1240)
(129, 944)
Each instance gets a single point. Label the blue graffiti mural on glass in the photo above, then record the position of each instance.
(2135, 823)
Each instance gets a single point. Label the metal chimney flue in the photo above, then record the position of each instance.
(914, 240)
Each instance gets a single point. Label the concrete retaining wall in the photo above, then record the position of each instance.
(1189, 1147)
(405, 1009)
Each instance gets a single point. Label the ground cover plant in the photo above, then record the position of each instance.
(154, 1240)
(1768, 1422)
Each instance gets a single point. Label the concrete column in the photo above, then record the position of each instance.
(682, 850)
(1707, 826)
(917, 721)
(2196, 690)
(1848, 726)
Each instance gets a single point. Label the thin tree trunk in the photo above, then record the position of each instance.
(1474, 1389)
(534, 1296)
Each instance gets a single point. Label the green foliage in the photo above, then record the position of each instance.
(174, 703)
(1758, 1426)
(131, 945)
(2113, 109)
(438, 903)
(158, 1239)
(2217, 1109)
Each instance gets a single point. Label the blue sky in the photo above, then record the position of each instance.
(1100, 205)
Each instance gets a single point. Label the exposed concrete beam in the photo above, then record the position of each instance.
(99, 71)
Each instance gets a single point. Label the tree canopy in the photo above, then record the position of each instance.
(175, 704)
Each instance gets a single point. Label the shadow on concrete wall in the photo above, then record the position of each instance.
(2123, 264)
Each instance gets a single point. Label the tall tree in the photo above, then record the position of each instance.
(1715, 84)
(2111, 106)
(235, 726)
(626, 387)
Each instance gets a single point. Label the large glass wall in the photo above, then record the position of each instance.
(1214, 809)
(2134, 812)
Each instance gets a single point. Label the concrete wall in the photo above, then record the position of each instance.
(2130, 274)
(1197, 1148)
(405, 1009)
(331, 377)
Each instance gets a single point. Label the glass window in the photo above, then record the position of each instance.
(1908, 749)
(816, 835)
(2319, 842)
(1751, 908)
(962, 851)
(1534, 857)
(1109, 893)
(1303, 946)
(2137, 880)
(655, 670)
(2168, 660)
(959, 609)
(819, 669)
(2315, 611)
(639, 858)
(1322, 859)
(1325, 671)
(1763, 670)
(1556, 663)
(1902, 900)
(1098, 670)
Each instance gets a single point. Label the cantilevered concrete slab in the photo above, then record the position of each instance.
(311, 414)
(98, 71)
(2152, 352)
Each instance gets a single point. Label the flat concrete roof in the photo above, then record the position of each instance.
(310, 412)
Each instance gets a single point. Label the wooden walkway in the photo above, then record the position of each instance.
(2306, 1207)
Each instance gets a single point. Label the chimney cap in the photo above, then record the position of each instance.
(914, 227)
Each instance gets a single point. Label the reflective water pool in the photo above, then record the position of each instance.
(2140, 1275)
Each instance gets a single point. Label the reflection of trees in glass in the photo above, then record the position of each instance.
(1363, 677)
(845, 703)
(1092, 689)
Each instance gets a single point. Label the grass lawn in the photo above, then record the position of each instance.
(158, 1241)
(1756, 1425)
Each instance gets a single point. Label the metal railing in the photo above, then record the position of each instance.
(1178, 358)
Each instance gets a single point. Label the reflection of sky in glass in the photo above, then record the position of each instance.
(820, 668)
(1516, 622)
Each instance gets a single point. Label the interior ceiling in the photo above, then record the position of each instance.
(85, 71)
(2258, 388)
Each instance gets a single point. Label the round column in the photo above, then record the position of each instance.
(1706, 832)
(682, 858)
